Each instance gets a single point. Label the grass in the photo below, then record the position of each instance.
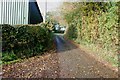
(101, 52)
(10, 62)
(8, 58)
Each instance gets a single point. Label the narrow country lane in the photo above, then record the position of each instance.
(69, 62)
(75, 63)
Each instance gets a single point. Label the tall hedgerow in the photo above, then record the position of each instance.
(95, 23)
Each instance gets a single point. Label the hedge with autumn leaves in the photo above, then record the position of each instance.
(94, 25)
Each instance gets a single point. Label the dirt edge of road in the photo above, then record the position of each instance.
(105, 63)
(45, 65)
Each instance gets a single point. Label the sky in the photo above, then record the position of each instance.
(51, 5)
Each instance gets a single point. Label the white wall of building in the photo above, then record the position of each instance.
(14, 12)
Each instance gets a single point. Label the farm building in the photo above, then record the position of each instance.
(16, 12)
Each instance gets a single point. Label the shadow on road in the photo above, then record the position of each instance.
(62, 44)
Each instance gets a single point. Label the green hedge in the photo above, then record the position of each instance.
(95, 23)
(24, 41)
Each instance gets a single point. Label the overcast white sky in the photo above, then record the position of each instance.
(51, 5)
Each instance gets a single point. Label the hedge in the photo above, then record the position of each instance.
(96, 23)
(24, 41)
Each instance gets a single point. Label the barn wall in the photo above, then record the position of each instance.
(13, 12)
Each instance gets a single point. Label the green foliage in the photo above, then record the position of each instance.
(95, 23)
(9, 57)
(25, 41)
(71, 31)
(8, 37)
